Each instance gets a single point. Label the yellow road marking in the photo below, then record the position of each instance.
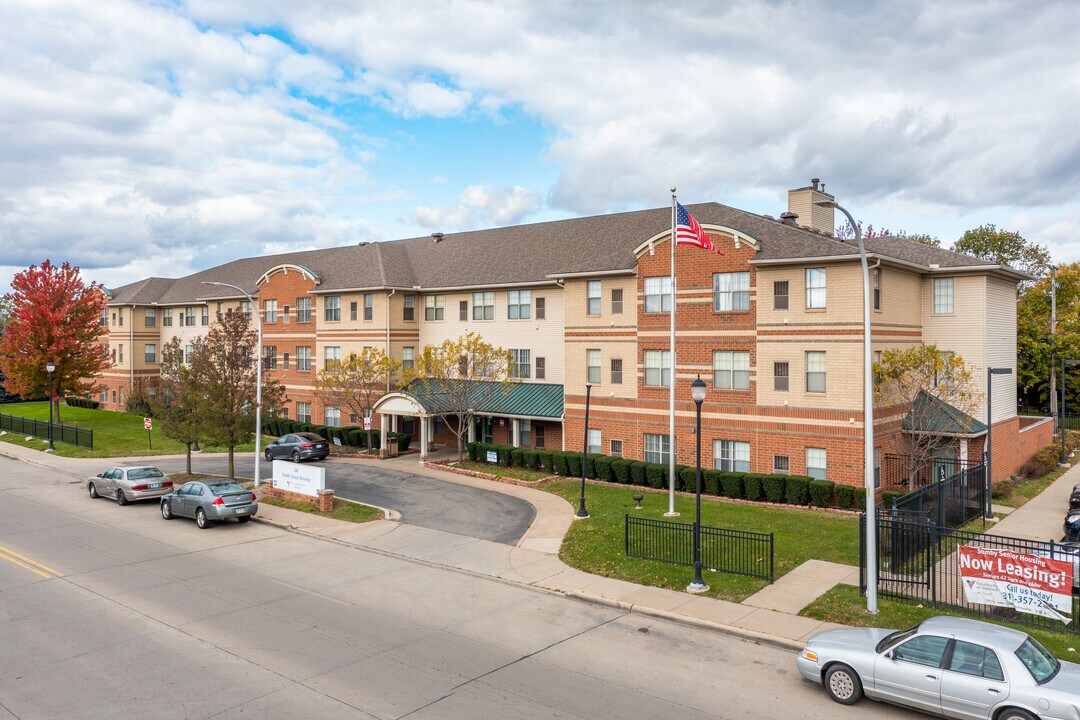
(24, 565)
(5, 553)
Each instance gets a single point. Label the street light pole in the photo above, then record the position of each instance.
(697, 392)
(868, 420)
(582, 512)
(990, 373)
(258, 372)
(50, 368)
(1061, 405)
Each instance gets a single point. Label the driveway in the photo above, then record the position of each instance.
(422, 501)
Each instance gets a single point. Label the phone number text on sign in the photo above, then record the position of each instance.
(1029, 583)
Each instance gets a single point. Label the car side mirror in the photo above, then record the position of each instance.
(101, 475)
(889, 654)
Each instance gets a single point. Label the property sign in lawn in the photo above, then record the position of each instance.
(1006, 578)
(304, 479)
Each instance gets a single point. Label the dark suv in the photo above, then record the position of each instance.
(1074, 499)
(298, 446)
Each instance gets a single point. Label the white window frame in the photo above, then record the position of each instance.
(657, 368)
(731, 292)
(593, 298)
(331, 353)
(657, 294)
(819, 458)
(303, 309)
(816, 296)
(519, 304)
(303, 357)
(150, 353)
(595, 441)
(434, 307)
(657, 448)
(270, 306)
(332, 308)
(408, 358)
(592, 367)
(303, 412)
(615, 448)
(483, 306)
(816, 366)
(521, 362)
(944, 296)
(332, 416)
(731, 455)
(731, 369)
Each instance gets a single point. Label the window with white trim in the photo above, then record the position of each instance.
(944, 296)
(303, 309)
(815, 372)
(271, 311)
(525, 433)
(303, 412)
(615, 448)
(815, 288)
(595, 441)
(166, 317)
(331, 356)
(518, 304)
(731, 369)
(593, 299)
(657, 294)
(483, 306)
(657, 448)
(731, 455)
(303, 357)
(816, 463)
(781, 465)
(520, 363)
(408, 358)
(657, 368)
(592, 365)
(149, 317)
(150, 353)
(408, 308)
(332, 308)
(189, 317)
(434, 307)
(877, 288)
(369, 306)
(731, 291)
(333, 416)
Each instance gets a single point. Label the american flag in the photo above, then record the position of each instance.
(689, 232)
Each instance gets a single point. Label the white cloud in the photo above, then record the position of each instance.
(480, 207)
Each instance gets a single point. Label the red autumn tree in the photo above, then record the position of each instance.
(54, 316)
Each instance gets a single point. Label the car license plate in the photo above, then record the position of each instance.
(320, 446)
(154, 486)
(241, 511)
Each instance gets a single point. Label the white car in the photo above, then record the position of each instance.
(946, 666)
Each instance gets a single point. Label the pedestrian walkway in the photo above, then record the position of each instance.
(1042, 517)
(769, 616)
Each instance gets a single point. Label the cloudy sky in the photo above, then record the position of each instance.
(159, 138)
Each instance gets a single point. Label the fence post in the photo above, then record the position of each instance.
(772, 547)
(932, 569)
(626, 533)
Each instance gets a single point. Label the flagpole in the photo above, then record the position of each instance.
(671, 409)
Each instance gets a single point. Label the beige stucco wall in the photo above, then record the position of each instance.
(613, 334)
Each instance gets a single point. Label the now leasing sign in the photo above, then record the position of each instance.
(1006, 578)
(297, 478)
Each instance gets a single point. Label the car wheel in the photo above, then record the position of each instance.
(166, 510)
(244, 519)
(269, 456)
(296, 456)
(843, 685)
(93, 491)
(1015, 714)
(121, 498)
(200, 519)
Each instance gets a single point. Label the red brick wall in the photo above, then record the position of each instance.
(287, 336)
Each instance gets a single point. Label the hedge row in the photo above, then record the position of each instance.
(791, 489)
(353, 436)
(82, 402)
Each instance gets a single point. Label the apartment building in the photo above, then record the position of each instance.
(774, 326)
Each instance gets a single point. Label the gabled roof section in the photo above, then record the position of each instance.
(541, 401)
(143, 292)
(286, 268)
(932, 415)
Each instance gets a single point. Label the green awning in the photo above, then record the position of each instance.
(932, 415)
(542, 401)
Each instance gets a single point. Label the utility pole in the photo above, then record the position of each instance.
(1053, 341)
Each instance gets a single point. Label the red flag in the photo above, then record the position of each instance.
(689, 232)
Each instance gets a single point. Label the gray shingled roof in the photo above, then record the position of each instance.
(526, 254)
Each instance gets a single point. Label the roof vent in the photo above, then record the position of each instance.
(437, 236)
(814, 183)
(362, 244)
(789, 218)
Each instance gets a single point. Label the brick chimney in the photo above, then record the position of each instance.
(801, 202)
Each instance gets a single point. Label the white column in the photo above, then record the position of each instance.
(472, 430)
(384, 426)
(515, 432)
(963, 450)
(423, 438)
(393, 423)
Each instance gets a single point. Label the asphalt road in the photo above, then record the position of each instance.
(109, 611)
(421, 500)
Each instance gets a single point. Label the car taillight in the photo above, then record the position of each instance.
(144, 486)
(307, 444)
(167, 483)
(218, 501)
(253, 498)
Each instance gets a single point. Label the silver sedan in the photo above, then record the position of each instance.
(946, 666)
(210, 500)
(127, 483)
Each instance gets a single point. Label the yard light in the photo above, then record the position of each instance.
(697, 392)
(582, 512)
(50, 367)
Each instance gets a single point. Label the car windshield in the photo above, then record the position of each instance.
(224, 488)
(893, 639)
(1039, 662)
(310, 436)
(140, 473)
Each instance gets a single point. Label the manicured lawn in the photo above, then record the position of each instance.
(1026, 490)
(343, 509)
(843, 604)
(597, 544)
(507, 472)
(115, 434)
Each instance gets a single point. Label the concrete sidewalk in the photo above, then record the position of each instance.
(768, 616)
(1042, 517)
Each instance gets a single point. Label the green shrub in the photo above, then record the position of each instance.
(710, 482)
(561, 467)
(821, 492)
(860, 501)
(732, 483)
(687, 478)
(656, 475)
(531, 459)
(887, 497)
(404, 440)
(797, 490)
(517, 457)
(471, 449)
(637, 473)
(845, 496)
(547, 460)
(573, 463)
(620, 469)
(752, 486)
(1002, 489)
(774, 487)
(504, 454)
(602, 468)
(590, 465)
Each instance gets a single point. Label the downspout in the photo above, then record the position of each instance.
(131, 349)
(389, 295)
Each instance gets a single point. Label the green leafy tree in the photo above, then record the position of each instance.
(358, 382)
(181, 398)
(224, 362)
(1004, 247)
(847, 232)
(1036, 346)
(900, 377)
(52, 315)
(460, 376)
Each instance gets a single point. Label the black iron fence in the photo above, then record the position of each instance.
(741, 552)
(1070, 420)
(67, 434)
(952, 502)
(917, 561)
(900, 472)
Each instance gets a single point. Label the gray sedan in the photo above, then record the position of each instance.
(210, 500)
(125, 484)
(946, 666)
